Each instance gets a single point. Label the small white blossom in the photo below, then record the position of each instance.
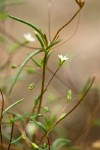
(28, 37)
(62, 59)
(31, 128)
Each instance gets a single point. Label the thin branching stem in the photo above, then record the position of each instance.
(2, 108)
(12, 129)
(51, 78)
(78, 11)
(48, 142)
(45, 89)
(49, 19)
(43, 82)
(81, 99)
(73, 34)
(1, 139)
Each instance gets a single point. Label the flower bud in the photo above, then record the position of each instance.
(35, 146)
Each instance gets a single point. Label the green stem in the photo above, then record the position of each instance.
(21, 68)
(43, 81)
(45, 89)
(2, 108)
(51, 79)
(12, 129)
(81, 99)
(27, 23)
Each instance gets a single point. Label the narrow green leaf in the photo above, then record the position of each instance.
(37, 100)
(21, 68)
(85, 87)
(27, 23)
(40, 125)
(36, 116)
(50, 121)
(21, 118)
(60, 143)
(12, 105)
(40, 40)
(37, 63)
(52, 44)
(45, 39)
(17, 140)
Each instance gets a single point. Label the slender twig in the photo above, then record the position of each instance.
(1, 137)
(45, 89)
(48, 142)
(78, 11)
(69, 84)
(85, 131)
(12, 129)
(49, 19)
(43, 81)
(51, 79)
(81, 99)
(73, 34)
(2, 108)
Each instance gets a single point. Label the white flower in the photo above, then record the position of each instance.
(31, 128)
(28, 37)
(62, 59)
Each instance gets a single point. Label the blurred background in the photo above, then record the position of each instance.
(83, 50)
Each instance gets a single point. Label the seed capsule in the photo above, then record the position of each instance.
(80, 3)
